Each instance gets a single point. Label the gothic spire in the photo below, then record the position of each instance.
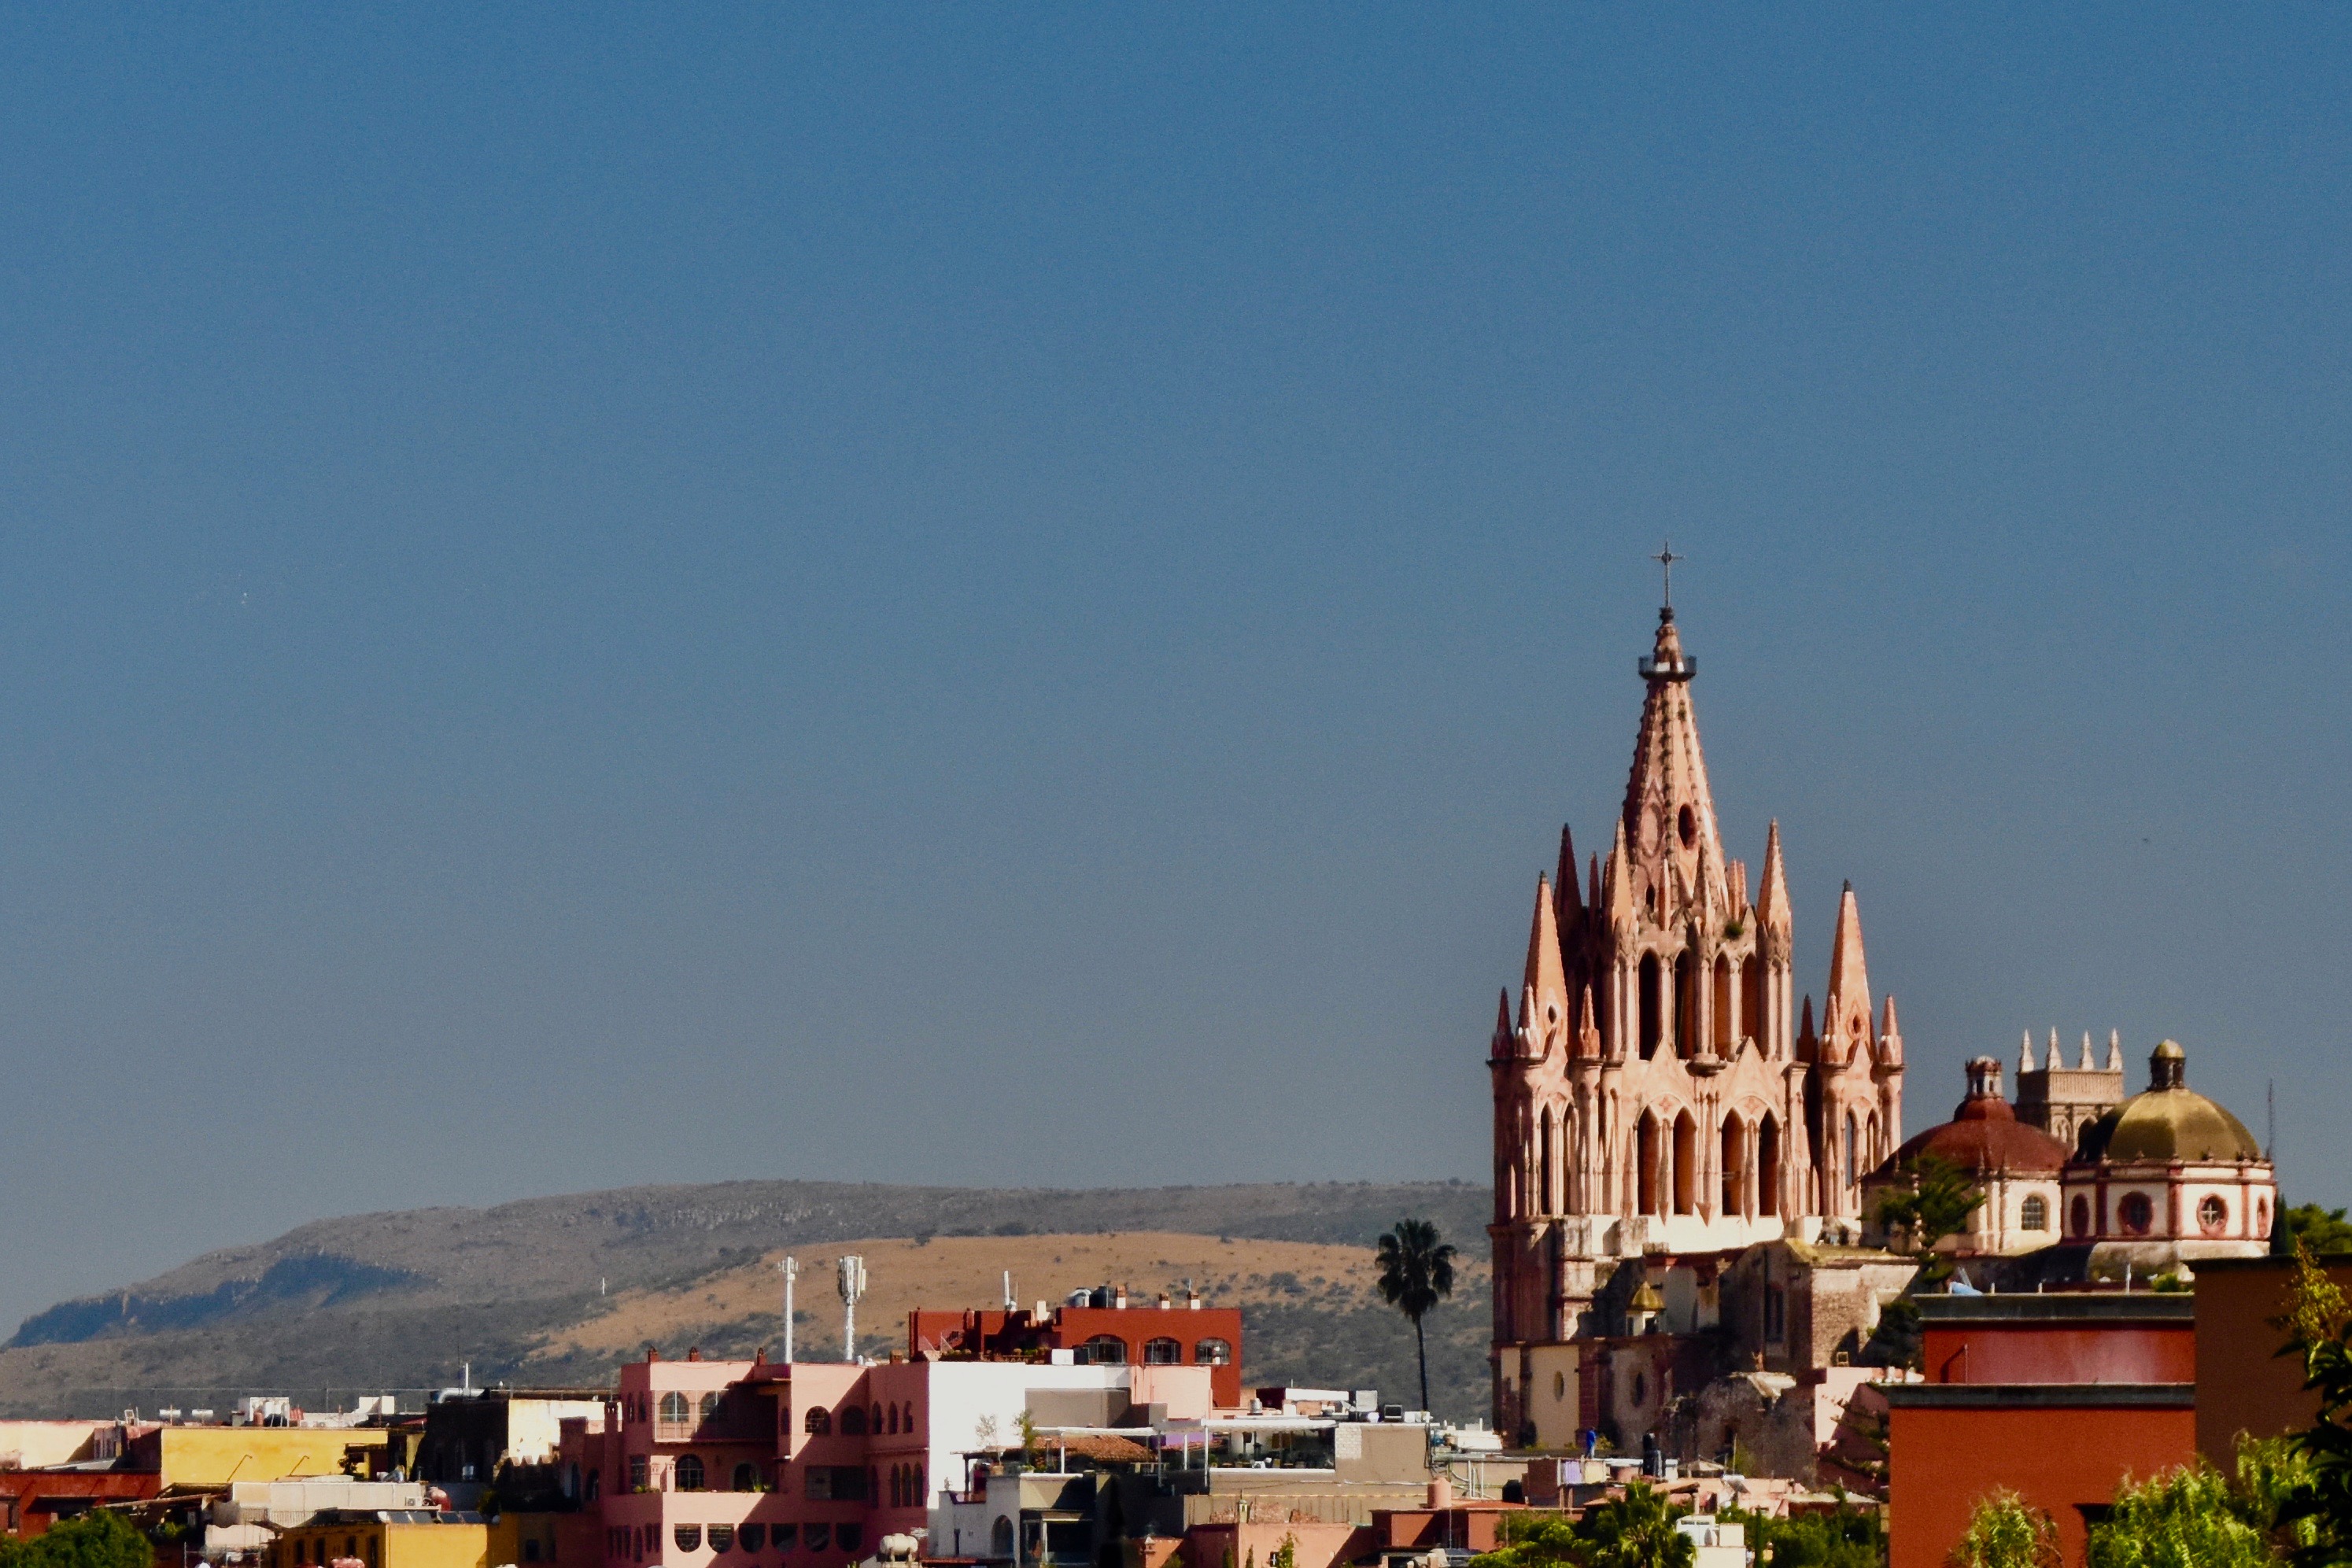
(1669, 809)
(1772, 899)
(1849, 994)
(1564, 881)
(1544, 1004)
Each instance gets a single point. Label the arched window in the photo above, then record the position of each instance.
(1543, 1163)
(893, 1419)
(894, 1487)
(710, 1406)
(1685, 1021)
(2034, 1214)
(1751, 998)
(1853, 1171)
(818, 1536)
(688, 1537)
(722, 1537)
(689, 1474)
(1645, 989)
(1645, 1163)
(2136, 1213)
(1211, 1353)
(920, 1493)
(1000, 1537)
(1723, 1020)
(818, 1421)
(1735, 1169)
(2078, 1216)
(1685, 1164)
(1106, 1349)
(751, 1537)
(2212, 1214)
(596, 1485)
(675, 1409)
(747, 1477)
(1162, 1352)
(877, 1418)
(2262, 1217)
(787, 1536)
(1768, 1167)
(853, 1421)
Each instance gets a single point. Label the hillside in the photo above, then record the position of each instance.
(563, 1288)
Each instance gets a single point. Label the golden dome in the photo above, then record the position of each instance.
(2169, 1120)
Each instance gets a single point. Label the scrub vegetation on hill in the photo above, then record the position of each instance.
(562, 1290)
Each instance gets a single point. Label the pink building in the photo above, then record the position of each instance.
(711, 1464)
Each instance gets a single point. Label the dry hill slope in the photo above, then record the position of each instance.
(398, 1299)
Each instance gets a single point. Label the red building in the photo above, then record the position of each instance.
(2055, 1397)
(1105, 1333)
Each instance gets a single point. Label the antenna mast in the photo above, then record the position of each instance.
(791, 1269)
(853, 1285)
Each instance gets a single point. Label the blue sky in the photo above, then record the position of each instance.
(1017, 596)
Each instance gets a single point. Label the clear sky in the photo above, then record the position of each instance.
(1018, 595)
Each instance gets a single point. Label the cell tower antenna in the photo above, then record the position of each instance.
(791, 1269)
(853, 1285)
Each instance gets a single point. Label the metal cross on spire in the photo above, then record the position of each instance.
(1665, 559)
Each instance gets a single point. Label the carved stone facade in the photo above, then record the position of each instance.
(1659, 1092)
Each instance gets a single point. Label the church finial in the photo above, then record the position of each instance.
(2024, 1057)
(1665, 558)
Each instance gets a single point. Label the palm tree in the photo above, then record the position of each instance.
(1416, 1273)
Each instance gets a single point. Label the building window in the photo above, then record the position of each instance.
(847, 1536)
(710, 1406)
(1105, 1350)
(1558, 1386)
(690, 1473)
(2262, 1217)
(722, 1538)
(853, 1421)
(818, 1421)
(787, 1537)
(675, 1409)
(1213, 1353)
(747, 1477)
(688, 1537)
(1000, 1537)
(2034, 1214)
(596, 1485)
(752, 1536)
(1162, 1352)
(637, 1472)
(1776, 1313)
(2078, 1216)
(2213, 1214)
(2136, 1213)
(818, 1534)
(530, 1549)
(893, 1420)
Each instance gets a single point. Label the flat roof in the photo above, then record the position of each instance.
(2039, 1395)
(2062, 1307)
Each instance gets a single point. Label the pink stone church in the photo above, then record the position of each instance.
(1659, 1093)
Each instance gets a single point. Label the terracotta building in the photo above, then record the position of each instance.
(1660, 1092)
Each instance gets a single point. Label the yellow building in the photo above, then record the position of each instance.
(210, 1458)
(400, 1538)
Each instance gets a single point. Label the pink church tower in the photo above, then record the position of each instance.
(1655, 1093)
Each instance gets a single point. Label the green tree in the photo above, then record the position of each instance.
(1416, 1273)
(2318, 1505)
(1849, 1538)
(99, 1540)
(2004, 1532)
(2326, 1230)
(2188, 1518)
(1636, 1530)
(1933, 1201)
(1534, 1540)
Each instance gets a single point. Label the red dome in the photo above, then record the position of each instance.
(1984, 1137)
